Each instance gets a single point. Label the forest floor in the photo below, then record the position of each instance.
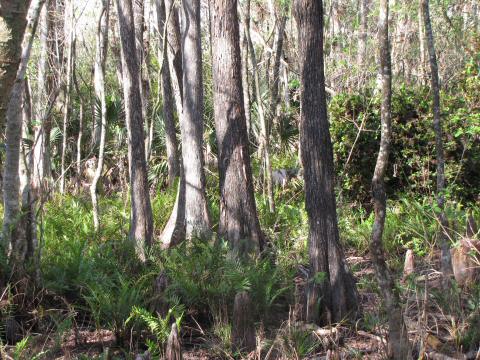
(430, 330)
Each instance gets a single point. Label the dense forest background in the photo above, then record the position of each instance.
(206, 179)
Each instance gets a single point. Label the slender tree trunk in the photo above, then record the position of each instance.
(276, 70)
(13, 20)
(264, 138)
(421, 38)
(68, 92)
(14, 235)
(141, 230)
(238, 214)
(78, 164)
(362, 40)
(168, 102)
(333, 286)
(100, 59)
(398, 336)
(446, 261)
(191, 123)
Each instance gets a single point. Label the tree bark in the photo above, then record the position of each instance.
(276, 71)
(362, 40)
(197, 218)
(13, 20)
(141, 225)
(332, 286)
(264, 138)
(168, 102)
(238, 213)
(14, 235)
(68, 90)
(398, 337)
(174, 231)
(100, 59)
(446, 260)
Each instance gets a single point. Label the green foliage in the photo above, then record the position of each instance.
(158, 326)
(412, 160)
(206, 277)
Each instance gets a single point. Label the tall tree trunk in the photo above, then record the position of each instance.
(398, 336)
(168, 102)
(191, 123)
(78, 164)
(174, 230)
(43, 104)
(68, 91)
(362, 40)
(446, 261)
(141, 230)
(264, 138)
(100, 59)
(13, 20)
(14, 235)
(238, 214)
(276, 70)
(333, 286)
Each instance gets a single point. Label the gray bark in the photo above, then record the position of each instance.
(141, 225)
(191, 123)
(168, 102)
(238, 214)
(100, 59)
(398, 337)
(14, 235)
(333, 287)
(446, 260)
(13, 20)
(68, 90)
(264, 138)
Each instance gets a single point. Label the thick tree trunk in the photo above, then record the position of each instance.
(238, 214)
(191, 124)
(245, 82)
(264, 138)
(141, 230)
(100, 59)
(13, 20)
(168, 102)
(446, 260)
(398, 336)
(14, 235)
(333, 286)
(68, 91)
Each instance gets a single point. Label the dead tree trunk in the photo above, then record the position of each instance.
(141, 228)
(243, 327)
(174, 346)
(446, 260)
(100, 59)
(238, 213)
(332, 286)
(398, 336)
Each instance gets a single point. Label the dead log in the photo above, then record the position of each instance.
(174, 347)
(409, 265)
(243, 328)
